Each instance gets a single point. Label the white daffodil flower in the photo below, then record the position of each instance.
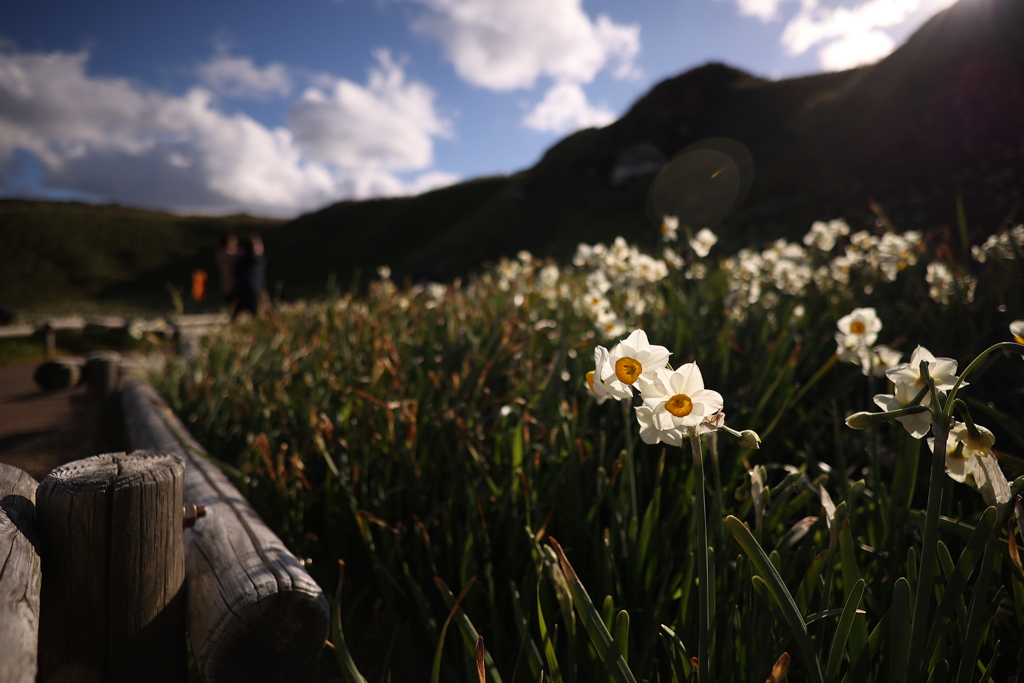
(672, 258)
(633, 359)
(860, 326)
(981, 445)
(851, 349)
(678, 401)
(879, 360)
(599, 389)
(669, 228)
(703, 241)
(609, 324)
(1017, 330)
(970, 461)
(651, 432)
(941, 370)
(917, 424)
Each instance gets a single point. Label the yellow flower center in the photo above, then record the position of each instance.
(857, 327)
(1020, 340)
(628, 369)
(679, 405)
(590, 380)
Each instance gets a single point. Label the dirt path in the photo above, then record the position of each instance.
(39, 429)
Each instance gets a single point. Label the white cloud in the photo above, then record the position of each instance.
(509, 44)
(430, 180)
(564, 109)
(765, 10)
(388, 124)
(846, 35)
(121, 141)
(855, 49)
(815, 24)
(238, 77)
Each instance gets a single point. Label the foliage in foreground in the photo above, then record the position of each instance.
(439, 439)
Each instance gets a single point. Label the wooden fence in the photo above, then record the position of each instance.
(177, 327)
(113, 558)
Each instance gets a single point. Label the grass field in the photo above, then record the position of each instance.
(439, 440)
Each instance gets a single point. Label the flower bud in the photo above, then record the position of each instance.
(861, 420)
(750, 439)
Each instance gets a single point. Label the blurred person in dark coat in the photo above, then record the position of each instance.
(250, 277)
(225, 258)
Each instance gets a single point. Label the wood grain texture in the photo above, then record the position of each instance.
(113, 554)
(253, 612)
(103, 382)
(147, 570)
(20, 576)
(72, 511)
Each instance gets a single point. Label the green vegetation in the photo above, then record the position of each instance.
(439, 439)
(60, 253)
(938, 119)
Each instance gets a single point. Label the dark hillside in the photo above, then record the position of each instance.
(59, 252)
(940, 116)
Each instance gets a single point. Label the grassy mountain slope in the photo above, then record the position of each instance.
(937, 118)
(57, 252)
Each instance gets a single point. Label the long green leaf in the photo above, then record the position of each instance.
(980, 617)
(622, 634)
(781, 594)
(835, 654)
(547, 642)
(900, 643)
(609, 653)
(348, 667)
(466, 628)
(349, 671)
(859, 629)
(523, 628)
(811, 582)
(961, 574)
(948, 570)
(435, 670)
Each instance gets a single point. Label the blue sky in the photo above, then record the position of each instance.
(278, 108)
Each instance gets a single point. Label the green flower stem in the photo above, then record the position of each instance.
(972, 429)
(973, 365)
(863, 420)
(704, 674)
(923, 597)
(626, 409)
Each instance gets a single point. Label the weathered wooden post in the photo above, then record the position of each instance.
(103, 382)
(19, 576)
(50, 338)
(253, 611)
(113, 570)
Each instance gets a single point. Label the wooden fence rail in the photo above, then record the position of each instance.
(20, 576)
(252, 611)
(176, 326)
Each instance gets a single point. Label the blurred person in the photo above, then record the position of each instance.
(250, 277)
(225, 258)
(199, 285)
